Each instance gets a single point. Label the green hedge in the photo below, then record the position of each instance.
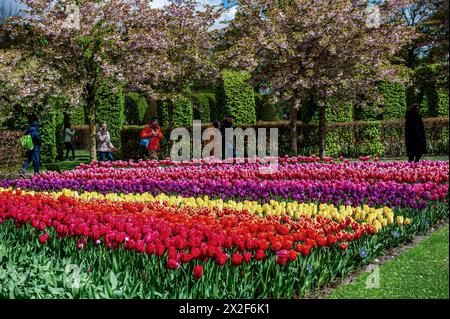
(394, 94)
(77, 115)
(337, 110)
(437, 101)
(47, 129)
(266, 111)
(109, 108)
(202, 108)
(433, 88)
(366, 138)
(236, 97)
(136, 108)
(177, 113)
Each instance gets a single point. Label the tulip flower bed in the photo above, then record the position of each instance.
(220, 230)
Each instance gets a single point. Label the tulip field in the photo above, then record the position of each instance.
(213, 230)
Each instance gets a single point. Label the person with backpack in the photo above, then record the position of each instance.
(68, 140)
(31, 142)
(150, 137)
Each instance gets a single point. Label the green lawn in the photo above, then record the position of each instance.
(420, 272)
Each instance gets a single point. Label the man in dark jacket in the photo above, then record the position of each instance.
(32, 155)
(416, 144)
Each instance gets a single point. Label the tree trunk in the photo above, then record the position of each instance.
(294, 133)
(91, 121)
(322, 129)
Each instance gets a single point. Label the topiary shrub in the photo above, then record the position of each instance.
(76, 115)
(202, 107)
(136, 108)
(236, 97)
(176, 113)
(436, 101)
(47, 129)
(266, 111)
(337, 110)
(368, 137)
(109, 108)
(182, 111)
(394, 105)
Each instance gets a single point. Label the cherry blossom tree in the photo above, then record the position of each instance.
(303, 50)
(78, 44)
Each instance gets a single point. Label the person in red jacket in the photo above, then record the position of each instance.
(152, 132)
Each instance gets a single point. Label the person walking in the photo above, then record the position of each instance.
(415, 140)
(32, 155)
(150, 138)
(68, 140)
(104, 145)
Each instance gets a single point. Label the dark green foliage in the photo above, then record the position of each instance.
(59, 135)
(163, 113)
(76, 115)
(176, 113)
(394, 106)
(236, 97)
(202, 107)
(365, 114)
(109, 108)
(368, 139)
(432, 86)
(436, 101)
(213, 106)
(182, 111)
(337, 110)
(47, 128)
(152, 110)
(136, 108)
(266, 111)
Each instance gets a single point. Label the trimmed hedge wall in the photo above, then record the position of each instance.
(336, 110)
(266, 111)
(77, 115)
(437, 101)
(179, 113)
(136, 108)
(47, 129)
(236, 97)
(382, 138)
(394, 95)
(202, 107)
(109, 108)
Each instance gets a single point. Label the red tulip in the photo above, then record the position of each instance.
(236, 259)
(281, 261)
(198, 272)
(43, 238)
(260, 255)
(172, 264)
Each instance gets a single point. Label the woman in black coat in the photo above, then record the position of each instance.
(416, 144)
